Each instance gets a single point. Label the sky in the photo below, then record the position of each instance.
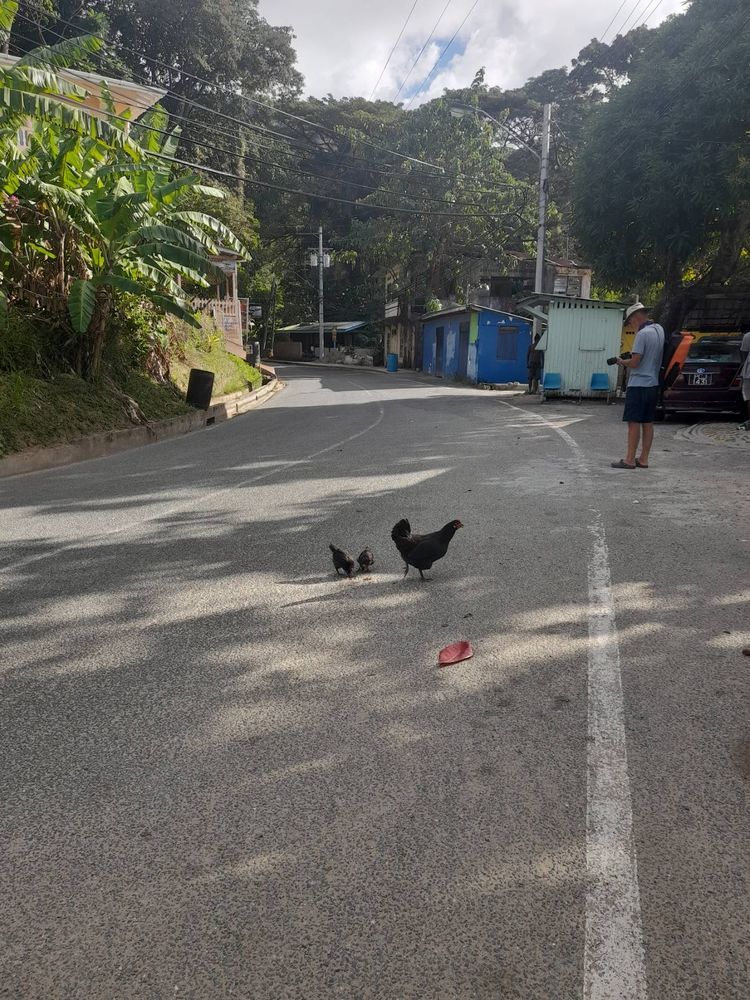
(342, 45)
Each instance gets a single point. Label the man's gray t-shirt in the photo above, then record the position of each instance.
(745, 346)
(649, 343)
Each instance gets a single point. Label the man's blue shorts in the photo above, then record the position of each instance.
(640, 404)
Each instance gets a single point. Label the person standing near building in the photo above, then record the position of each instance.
(642, 393)
(745, 375)
(534, 365)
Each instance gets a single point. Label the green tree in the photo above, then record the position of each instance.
(662, 191)
(92, 212)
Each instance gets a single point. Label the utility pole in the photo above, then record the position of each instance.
(321, 324)
(543, 197)
(458, 111)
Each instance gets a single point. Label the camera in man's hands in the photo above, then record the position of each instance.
(625, 356)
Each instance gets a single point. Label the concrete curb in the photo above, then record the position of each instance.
(111, 442)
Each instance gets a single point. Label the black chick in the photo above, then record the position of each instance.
(342, 561)
(421, 551)
(366, 560)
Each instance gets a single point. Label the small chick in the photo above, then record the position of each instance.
(342, 561)
(366, 560)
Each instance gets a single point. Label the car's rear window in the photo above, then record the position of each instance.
(721, 351)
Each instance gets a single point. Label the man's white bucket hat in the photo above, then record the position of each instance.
(631, 310)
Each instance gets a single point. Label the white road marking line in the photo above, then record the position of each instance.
(614, 960)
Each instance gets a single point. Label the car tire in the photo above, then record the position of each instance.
(660, 415)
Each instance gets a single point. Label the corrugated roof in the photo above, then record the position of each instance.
(547, 297)
(345, 326)
(474, 307)
(128, 97)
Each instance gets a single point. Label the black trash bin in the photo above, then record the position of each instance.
(200, 387)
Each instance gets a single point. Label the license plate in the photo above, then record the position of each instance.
(701, 379)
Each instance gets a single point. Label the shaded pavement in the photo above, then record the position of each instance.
(228, 774)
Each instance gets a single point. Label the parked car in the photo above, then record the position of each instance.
(709, 381)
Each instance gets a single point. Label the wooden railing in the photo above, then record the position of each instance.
(227, 315)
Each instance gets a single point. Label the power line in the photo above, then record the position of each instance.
(440, 57)
(393, 48)
(264, 130)
(647, 17)
(635, 5)
(614, 18)
(298, 171)
(632, 21)
(419, 54)
(202, 168)
(323, 197)
(276, 149)
(226, 90)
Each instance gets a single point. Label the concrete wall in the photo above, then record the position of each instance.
(287, 350)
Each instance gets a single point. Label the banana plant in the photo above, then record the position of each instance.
(97, 206)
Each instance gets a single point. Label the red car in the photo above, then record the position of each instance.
(710, 380)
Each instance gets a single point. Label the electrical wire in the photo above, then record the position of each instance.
(232, 93)
(647, 17)
(614, 18)
(301, 172)
(435, 27)
(439, 59)
(632, 21)
(280, 150)
(636, 3)
(393, 48)
(203, 168)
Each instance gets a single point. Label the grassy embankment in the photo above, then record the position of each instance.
(43, 403)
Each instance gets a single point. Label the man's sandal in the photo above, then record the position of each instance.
(623, 465)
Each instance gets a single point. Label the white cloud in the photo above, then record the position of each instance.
(343, 44)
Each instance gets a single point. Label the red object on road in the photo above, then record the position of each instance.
(455, 653)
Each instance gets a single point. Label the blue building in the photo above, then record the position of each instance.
(476, 343)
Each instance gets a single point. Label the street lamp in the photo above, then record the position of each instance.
(459, 111)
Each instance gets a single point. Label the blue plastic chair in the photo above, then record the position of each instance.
(552, 383)
(600, 383)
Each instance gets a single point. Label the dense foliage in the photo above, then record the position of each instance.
(648, 180)
(90, 209)
(662, 190)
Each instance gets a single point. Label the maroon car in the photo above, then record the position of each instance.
(709, 381)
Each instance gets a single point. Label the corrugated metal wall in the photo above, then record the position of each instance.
(580, 337)
(473, 354)
(496, 366)
(449, 363)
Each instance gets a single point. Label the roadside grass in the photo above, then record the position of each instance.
(43, 403)
(232, 374)
(63, 408)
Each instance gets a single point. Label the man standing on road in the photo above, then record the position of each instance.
(534, 364)
(745, 374)
(643, 386)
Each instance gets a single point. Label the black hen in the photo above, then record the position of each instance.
(342, 561)
(421, 551)
(366, 560)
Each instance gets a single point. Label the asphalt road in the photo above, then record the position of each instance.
(226, 773)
